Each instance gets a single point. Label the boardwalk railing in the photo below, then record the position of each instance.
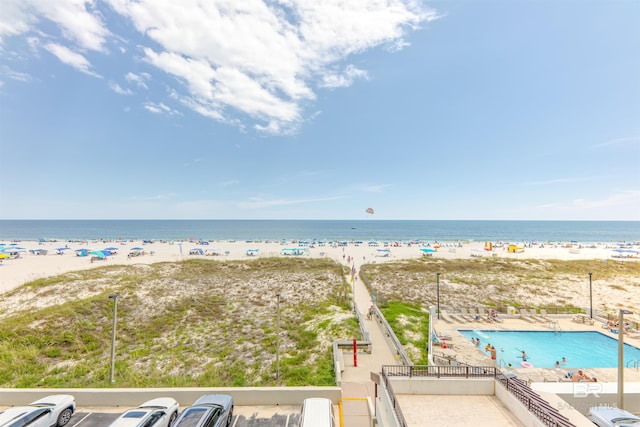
(406, 360)
(437, 371)
(535, 404)
(392, 396)
(539, 407)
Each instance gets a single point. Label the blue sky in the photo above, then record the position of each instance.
(299, 109)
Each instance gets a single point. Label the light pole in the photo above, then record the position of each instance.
(278, 337)
(590, 298)
(438, 294)
(114, 297)
(621, 357)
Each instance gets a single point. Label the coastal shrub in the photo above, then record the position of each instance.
(193, 323)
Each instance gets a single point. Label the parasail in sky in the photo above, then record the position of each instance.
(370, 211)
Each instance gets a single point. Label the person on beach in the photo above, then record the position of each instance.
(524, 356)
(477, 342)
(557, 364)
(370, 313)
(581, 376)
(563, 361)
(493, 353)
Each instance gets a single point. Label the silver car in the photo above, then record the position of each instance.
(210, 410)
(51, 411)
(160, 412)
(608, 416)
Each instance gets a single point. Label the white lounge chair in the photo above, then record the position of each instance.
(467, 315)
(445, 317)
(534, 316)
(545, 316)
(524, 315)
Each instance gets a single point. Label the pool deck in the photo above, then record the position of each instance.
(464, 351)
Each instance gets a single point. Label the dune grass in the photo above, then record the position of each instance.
(194, 323)
(213, 323)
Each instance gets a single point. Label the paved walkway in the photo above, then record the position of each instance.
(357, 385)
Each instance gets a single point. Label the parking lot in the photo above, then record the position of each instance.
(243, 418)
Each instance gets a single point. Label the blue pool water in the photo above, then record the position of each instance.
(544, 348)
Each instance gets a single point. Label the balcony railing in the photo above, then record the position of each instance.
(535, 404)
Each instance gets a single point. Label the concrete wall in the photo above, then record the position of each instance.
(582, 396)
(461, 386)
(516, 407)
(246, 396)
(385, 415)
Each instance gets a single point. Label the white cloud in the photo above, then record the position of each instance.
(77, 20)
(139, 79)
(71, 58)
(619, 205)
(160, 108)
(561, 181)
(15, 75)
(619, 198)
(263, 58)
(344, 79)
(119, 89)
(374, 188)
(630, 140)
(259, 58)
(259, 202)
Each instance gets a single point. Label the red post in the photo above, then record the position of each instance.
(355, 353)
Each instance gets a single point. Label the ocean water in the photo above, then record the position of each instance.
(364, 230)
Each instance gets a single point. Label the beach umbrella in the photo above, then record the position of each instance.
(3, 255)
(99, 254)
(137, 249)
(63, 249)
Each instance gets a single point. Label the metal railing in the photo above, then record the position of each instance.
(436, 371)
(406, 360)
(535, 404)
(392, 396)
(363, 329)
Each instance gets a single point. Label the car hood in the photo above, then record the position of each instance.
(54, 400)
(214, 399)
(160, 402)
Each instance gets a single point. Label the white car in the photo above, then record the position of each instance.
(608, 416)
(55, 410)
(160, 412)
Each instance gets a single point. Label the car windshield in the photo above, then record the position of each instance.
(191, 417)
(134, 414)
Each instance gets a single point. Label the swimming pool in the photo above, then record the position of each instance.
(544, 348)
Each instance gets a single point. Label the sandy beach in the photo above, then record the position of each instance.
(30, 266)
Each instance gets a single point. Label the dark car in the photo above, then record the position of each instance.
(210, 410)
